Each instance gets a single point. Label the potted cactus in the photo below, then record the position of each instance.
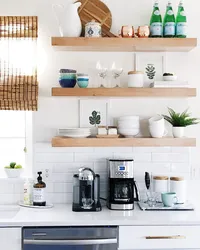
(13, 170)
(179, 121)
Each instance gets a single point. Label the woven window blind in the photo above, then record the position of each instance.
(18, 63)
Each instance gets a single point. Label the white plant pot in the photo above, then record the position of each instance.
(13, 173)
(178, 132)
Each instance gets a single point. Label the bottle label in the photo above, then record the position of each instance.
(157, 12)
(169, 29)
(39, 195)
(182, 13)
(181, 29)
(170, 12)
(156, 29)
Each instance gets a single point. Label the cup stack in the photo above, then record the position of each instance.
(157, 126)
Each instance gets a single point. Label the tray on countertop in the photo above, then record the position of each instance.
(37, 207)
(160, 207)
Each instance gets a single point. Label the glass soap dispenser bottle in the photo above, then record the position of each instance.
(39, 192)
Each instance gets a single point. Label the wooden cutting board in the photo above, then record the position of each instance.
(98, 11)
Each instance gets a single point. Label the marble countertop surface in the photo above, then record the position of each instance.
(62, 215)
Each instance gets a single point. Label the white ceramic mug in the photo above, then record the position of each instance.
(157, 119)
(157, 130)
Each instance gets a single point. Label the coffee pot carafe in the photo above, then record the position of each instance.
(86, 191)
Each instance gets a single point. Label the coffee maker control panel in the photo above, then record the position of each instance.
(121, 169)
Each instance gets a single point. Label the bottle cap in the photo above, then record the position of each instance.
(39, 177)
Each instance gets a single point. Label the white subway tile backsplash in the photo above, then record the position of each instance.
(151, 149)
(160, 157)
(62, 188)
(152, 167)
(95, 157)
(179, 157)
(113, 150)
(70, 167)
(54, 157)
(180, 168)
(64, 162)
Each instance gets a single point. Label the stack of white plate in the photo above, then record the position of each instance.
(129, 126)
(75, 132)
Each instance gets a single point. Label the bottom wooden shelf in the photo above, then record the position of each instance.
(123, 142)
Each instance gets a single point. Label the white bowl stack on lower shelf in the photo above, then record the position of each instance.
(129, 126)
(75, 132)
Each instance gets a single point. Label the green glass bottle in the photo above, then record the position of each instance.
(169, 21)
(181, 22)
(156, 29)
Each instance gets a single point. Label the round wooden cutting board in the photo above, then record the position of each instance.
(98, 11)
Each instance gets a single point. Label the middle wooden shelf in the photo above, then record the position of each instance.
(125, 92)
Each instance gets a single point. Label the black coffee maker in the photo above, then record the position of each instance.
(122, 191)
(86, 191)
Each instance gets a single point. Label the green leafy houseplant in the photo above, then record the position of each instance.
(180, 119)
(13, 170)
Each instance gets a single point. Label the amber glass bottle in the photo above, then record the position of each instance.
(39, 192)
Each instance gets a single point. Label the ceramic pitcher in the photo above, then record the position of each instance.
(68, 19)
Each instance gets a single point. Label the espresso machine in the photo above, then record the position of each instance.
(122, 191)
(86, 191)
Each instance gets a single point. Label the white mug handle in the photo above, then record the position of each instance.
(175, 200)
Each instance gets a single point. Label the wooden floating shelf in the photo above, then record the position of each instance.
(124, 44)
(123, 142)
(125, 92)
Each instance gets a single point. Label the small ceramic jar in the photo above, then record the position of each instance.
(135, 79)
(93, 29)
(127, 31)
(160, 185)
(178, 185)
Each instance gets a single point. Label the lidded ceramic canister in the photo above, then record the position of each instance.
(135, 79)
(160, 185)
(178, 185)
(93, 29)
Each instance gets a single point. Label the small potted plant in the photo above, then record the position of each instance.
(179, 121)
(13, 170)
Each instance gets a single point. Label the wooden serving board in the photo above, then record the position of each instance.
(98, 11)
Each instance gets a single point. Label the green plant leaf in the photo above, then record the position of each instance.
(94, 114)
(180, 119)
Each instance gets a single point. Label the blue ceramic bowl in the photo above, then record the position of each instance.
(82, 82)
(67, 83)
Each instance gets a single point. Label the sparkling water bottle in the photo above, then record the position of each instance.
(181, 22)
(156, 29)
(169, 21)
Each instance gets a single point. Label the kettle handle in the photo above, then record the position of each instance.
(136, 192)
(54, 7)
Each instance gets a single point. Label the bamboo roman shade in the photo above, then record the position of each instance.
(18, 62)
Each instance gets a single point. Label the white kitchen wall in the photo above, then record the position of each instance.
(54, 113)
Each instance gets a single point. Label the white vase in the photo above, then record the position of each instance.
(178, 132)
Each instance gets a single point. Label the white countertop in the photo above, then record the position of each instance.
(62, 215)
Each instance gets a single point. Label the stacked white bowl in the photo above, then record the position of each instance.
(129, 126)
(75, 132)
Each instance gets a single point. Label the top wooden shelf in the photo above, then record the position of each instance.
(124, 44)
